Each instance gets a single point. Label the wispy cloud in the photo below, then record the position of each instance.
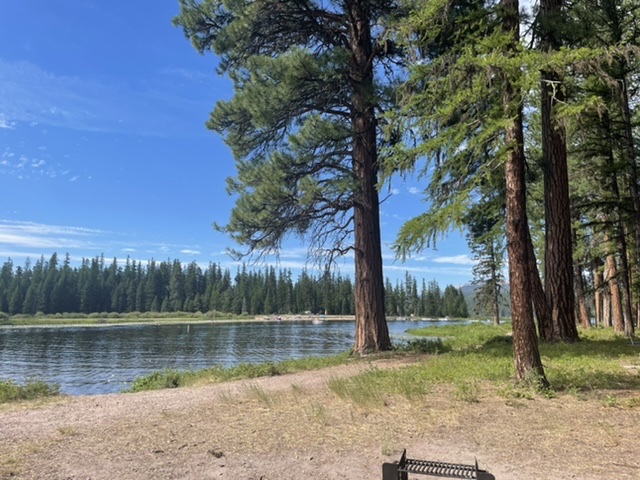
(414, 190)
(34, 239)
(189, 74)
(41, 236)
(33, 95)
(6, 124)
(26, 166)
(456, 260)
(448, 271)
(188, 251)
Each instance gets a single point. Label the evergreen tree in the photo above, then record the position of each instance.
(303, 129)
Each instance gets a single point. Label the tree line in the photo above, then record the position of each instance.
(527, 143)
(98, 286)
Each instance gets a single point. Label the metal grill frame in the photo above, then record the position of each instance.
(402, 469)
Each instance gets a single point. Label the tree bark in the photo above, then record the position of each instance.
(616, 300)
(583, 310)
(496, 289)
(558, 248)
(371, 333)
(528, 365)
(541, 307)
(597, 291)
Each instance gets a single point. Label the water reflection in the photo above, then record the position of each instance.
(96, 360)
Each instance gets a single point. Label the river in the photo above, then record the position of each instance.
(97, 360)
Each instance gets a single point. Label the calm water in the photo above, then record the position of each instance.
(96, 360)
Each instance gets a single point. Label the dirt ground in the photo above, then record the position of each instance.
(294, 427)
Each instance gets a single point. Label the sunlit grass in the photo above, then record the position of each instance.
(176, 378)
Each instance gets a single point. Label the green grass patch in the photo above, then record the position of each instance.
(480, 353)
(31, 390)
(114, 318)
(176, 378)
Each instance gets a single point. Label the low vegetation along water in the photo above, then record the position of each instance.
(97, 360)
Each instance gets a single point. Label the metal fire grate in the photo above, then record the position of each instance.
(401, 470)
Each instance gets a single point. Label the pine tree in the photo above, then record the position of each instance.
(303, 129)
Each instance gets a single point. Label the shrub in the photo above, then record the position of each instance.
(422, 345)
(32, 389)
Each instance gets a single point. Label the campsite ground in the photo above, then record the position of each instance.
(295, 427)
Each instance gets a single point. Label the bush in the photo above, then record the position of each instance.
(422, 345)
(158, 381)
(32, 389)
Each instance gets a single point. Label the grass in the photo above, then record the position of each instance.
(113, 318)
(175, 378)
(480, 353)
(31, 390)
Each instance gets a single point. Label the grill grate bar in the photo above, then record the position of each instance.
(441, 469)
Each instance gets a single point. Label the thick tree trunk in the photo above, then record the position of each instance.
(616, 298)
(541, 307)
(528, 365)
(371, 333)
(558, 248)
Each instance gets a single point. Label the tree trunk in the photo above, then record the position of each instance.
(634, 275)
(616, 300)
(597, 291)
(583, 311)
(372, 333)
(543, 312)
(528, 365)
(635, 196)
(558, 248)
(606, 309)
(496, 289)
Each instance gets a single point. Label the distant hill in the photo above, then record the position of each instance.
(468, 291)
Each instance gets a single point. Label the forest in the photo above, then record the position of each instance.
(98, 286)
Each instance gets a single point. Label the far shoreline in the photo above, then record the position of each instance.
(67, 322)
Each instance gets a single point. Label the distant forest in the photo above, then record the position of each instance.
(99, 286)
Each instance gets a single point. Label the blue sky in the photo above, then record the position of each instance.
(103, 148)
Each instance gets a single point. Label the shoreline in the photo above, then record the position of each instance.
(167, 321)
(120, 322)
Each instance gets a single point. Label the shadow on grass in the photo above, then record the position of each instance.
(600, 360)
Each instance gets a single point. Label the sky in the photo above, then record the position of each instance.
(103, 147)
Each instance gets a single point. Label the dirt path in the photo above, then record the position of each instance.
(294, 427)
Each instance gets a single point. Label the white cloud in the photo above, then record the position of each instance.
(456, 260)
(188, 251)
(414, 190)
(6, 124)
(74, 178)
